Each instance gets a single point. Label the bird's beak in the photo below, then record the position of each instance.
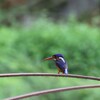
(49, 58)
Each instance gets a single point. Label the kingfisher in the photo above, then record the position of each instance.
(60, 62)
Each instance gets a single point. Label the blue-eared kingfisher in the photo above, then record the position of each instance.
(60, 62)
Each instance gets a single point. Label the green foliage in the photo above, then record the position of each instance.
(23, 50)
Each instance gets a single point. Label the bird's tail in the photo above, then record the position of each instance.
(66, 71)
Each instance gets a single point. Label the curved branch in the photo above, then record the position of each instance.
(49, 74)
(53, 90)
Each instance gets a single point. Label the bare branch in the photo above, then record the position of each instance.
(53, 90)
(49, 74)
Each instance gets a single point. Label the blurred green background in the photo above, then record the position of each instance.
(31, 30)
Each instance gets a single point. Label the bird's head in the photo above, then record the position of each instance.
(54, 57)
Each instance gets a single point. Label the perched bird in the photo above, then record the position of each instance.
(60, 63)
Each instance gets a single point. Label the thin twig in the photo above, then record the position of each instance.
(53, 90)
(49, 74)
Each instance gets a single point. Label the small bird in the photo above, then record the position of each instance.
(60, 63)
